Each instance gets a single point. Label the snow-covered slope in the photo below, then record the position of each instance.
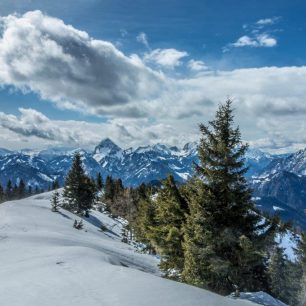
(44, 261)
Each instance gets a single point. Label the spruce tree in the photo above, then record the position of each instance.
(167, 233)
(301, 252)
(284, 278)
(79, 192)
(55, 202)
(99, 182)
(21, 191)
(223, 246)
(9, 190)
(2, 194)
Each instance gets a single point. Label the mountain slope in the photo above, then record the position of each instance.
(45, 261)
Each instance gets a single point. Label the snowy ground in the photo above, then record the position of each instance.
(45, 261)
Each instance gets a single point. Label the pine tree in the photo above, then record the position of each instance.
(21, 192)
(223, 246)
(79, 192)
(30, 191)
(301, 252)
(99, 182)
(9, 190)
(2, 194)
(55, 202)
(145, 221)
(284, 278)
(167, 233)
(55, 185)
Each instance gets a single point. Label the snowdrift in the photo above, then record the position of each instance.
(44, 261)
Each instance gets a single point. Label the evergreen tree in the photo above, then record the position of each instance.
(55, 185)
(99, 182)
(15, 192)
(2, 194)
(284, 277)
(9, 190)
(301, 252)
(79, 192)
(30, 191)
(223, 245)
(55, 202)
(21, 192)
(167, 233)
(145, 221)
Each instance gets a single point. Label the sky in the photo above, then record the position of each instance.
(142, 72)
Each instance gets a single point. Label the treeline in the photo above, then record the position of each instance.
(17, 191)
(207, 232)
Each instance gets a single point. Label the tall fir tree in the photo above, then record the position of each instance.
(223, 245)
(301, 252)
(167, 235)
(79, 192)
(21, 191)
(55, 201)
(9, 190)
(99, 182)
(2, 194)
(284, 277)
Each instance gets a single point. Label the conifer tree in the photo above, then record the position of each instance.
(30, 190)
(55, 202)
(2, 194)
(79, 192)
(21, 191)
(145, 221)
(99, 182)
(284, 277)
(223, 246)
(55, 185)
(167, 233)
(9, 190)
(301, 252)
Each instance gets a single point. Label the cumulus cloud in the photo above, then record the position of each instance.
(197, 65)
(267, 21)
(33, 123)
(257, 35)
(262, 40)
(67, 66)
(169, 58)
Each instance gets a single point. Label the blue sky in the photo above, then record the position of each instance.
(180, 59)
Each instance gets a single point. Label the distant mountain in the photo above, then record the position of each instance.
(134, 166)
(278, 181)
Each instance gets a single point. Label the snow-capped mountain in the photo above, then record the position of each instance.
(278, 181)
(282, 183)
(148, 164)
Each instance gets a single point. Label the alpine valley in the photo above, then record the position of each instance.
(278, 181)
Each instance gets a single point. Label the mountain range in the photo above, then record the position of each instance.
(278, 181)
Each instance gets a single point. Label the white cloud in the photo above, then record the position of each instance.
(257, 36)
(169, 58)
(142, 38)
(67, 66)
(262, 40)
(197, 65)
(267, 21)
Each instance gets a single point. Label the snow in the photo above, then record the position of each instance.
(261, 298)
(289, 242)
(276, 208)
(45, 261)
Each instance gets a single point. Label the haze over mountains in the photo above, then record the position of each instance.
(279, 182)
